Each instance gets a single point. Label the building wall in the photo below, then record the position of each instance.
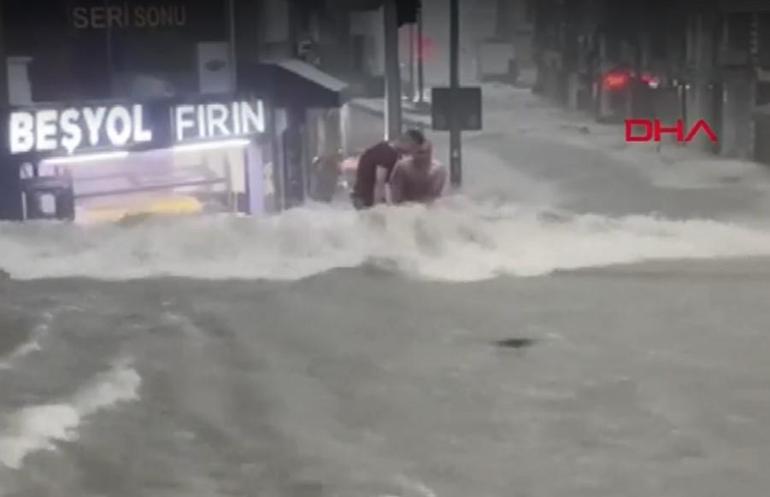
(367, 32)
(523, 27)
(109, 49)
(744, 68)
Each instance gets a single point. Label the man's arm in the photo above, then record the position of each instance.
(380, 191)
(363, 162)
(397, 184)
(439, 181)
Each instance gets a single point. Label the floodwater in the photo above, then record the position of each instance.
(542, 336)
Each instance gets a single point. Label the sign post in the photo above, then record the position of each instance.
(392, 72)
(455, 136)
(420, 61)
(456, 109)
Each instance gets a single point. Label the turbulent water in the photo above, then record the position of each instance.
(457, 241)
(330, 353)
(325, 352)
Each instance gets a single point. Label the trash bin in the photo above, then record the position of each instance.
(48, 197)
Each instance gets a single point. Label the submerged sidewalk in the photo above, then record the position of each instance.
(531, 150)
(410, 115)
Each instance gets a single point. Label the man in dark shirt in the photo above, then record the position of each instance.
(381, 158)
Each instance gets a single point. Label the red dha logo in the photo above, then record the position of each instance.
(653, 130)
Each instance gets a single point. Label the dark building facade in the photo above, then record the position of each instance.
(109, 101)
(101, 49)
(708, 59)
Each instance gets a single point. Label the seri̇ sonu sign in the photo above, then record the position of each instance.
(129, 16)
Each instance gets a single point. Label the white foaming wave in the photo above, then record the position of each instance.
(32, 345)
(37, 428)
(458, 240)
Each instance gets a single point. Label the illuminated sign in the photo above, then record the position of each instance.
(152, 125)
(129, 16)
(70, 129)
(216, 120)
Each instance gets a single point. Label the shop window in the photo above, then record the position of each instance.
(738, 32)
(27, 171)
(47, 203)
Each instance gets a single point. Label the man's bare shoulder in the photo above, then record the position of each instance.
(438, 168)
(402, 165)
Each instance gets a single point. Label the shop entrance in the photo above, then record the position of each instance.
(183, 180)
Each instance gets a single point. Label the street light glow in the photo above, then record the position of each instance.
(195, 147)
(77, 159)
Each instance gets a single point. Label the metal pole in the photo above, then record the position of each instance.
(501, 28)
(455, 139)
(392, 72)
(108, 41)
(4, 92)
(420, 57)
(232, 40)
(412, 89)
(11, 197)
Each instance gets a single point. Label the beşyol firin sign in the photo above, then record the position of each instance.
(119, 126)
(196, 122)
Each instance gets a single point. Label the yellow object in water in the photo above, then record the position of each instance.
(168, 206)
(175, 205)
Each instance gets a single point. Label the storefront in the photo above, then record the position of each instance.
(153, 106)
(101, 161)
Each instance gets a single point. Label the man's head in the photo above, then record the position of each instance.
(410, 141)
(423, 155)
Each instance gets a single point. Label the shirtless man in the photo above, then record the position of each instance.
(376, 165)
(418, 178)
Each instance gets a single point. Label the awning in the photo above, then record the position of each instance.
(293, 83)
